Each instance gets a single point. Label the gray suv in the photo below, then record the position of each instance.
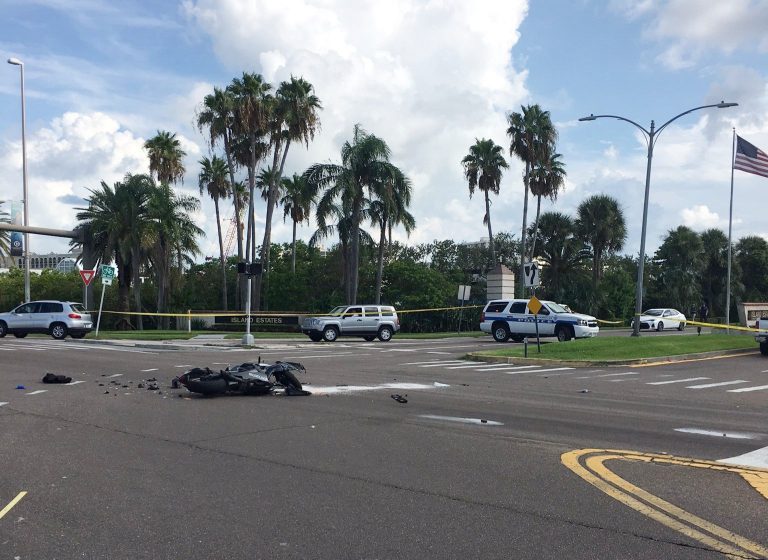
(57, 318)
(366, 321)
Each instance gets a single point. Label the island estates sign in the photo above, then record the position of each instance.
(749, 313)
(270, 319)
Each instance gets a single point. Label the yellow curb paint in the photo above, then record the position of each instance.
(13, 502)
(675, 362)
(723, 540)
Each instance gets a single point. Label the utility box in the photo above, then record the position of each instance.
(501, 283)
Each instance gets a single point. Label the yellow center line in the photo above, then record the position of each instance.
(596, 473)
(13, 502)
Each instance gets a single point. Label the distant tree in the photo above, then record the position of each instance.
(483, 170)
(562, 252)
(600, 224)
(714, 275)
(297, 203)
(680, 263)
(546, 179)
(165, 157)
(751, 256)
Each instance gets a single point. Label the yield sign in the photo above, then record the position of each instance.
(87, 276)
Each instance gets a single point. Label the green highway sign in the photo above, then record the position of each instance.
(107, 274)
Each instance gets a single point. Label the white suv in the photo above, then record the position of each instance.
(367, 321)
(511, 318)
(57, 318)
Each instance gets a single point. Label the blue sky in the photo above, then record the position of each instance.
(427, 76)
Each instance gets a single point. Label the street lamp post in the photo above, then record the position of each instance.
(20, 64)
(650, 137)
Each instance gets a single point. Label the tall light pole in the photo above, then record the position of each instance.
(650, 137)
(20, 64)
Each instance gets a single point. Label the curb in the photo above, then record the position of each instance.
(479, 357)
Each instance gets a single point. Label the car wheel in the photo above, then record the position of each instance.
(20, 334)
(314, 337)
(59, 331)
(330, 334)
(369, 338)
(764, 348)
(3, 329)
(681, 327)
(660, 326)
(385, 334)
(500, 332)
(563, 333)
(78, 335)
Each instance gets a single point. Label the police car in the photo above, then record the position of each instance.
(510, 318)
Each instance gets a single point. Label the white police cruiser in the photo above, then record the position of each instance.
(510, 318)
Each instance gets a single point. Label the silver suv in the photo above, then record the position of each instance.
(57, 318)
(367, 321)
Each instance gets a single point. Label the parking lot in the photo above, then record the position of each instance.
(483, 460)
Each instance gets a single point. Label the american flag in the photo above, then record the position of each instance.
(750, 159)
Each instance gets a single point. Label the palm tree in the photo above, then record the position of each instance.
(600, 223)
(218, 116)
(297, 203)
(294, 117)
(364, 166)
(388, 209)
(560, 250)
(4, 236)
(165, 157)
(532, 137)
(171, 232)
(546, 179)
(213, 180)
(482, 169)
(251, 111)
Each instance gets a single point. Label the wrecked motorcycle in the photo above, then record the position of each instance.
(250, 378)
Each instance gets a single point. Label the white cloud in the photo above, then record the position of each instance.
(699, 217)
(427, 77)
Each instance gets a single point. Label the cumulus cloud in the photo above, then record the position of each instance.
(427, 77)
(699, 217)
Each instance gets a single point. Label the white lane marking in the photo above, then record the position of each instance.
(428, 348)
(438, 352)
(474, 364)
(337, 390)
(508, 368)
(677, 381)
(37, 392)
(435, 362)
(715, 433)
(764, 371)
(113, 375)
(554, 369)
(480, 421)
(3, 403)
(722, 384)
(756, 458)
(150, 369)
(618, 374)
(323, 355)
(183, 365)
(75, 382)
(748, 389)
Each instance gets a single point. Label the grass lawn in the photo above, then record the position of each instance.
(627, 347)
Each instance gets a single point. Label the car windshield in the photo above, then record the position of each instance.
(337, 311)
(556, 307)
(654, 312)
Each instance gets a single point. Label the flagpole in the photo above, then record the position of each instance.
(730, 227)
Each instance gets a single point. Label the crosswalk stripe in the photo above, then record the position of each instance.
(554, 369)
(435, 362)
(617, 374)
(3, 403)
(748, 389)
(37, 392)
(508, 368)
(722, 384)
(677, 381)
(474, 364)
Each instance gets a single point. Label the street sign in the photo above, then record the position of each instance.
(531, 277)
(107, 274)
(464, 293)
(534, 305)
(87, 276)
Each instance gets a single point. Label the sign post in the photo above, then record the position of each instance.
(107, 275)
(534, 305)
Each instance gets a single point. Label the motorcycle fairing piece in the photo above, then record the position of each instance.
(245, 379)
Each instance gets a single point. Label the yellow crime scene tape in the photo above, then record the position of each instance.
(264, 313)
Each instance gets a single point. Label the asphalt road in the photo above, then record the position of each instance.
(481, 462)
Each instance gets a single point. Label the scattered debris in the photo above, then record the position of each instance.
(106, 392)
(483, 421)
(140, 386)
(400, 398)
(584, 391)
(54, 378)
(21, 387)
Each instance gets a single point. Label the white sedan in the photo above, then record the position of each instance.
(660, 319)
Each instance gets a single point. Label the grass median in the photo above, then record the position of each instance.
(627, 347)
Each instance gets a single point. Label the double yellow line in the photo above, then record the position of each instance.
(589, 464)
